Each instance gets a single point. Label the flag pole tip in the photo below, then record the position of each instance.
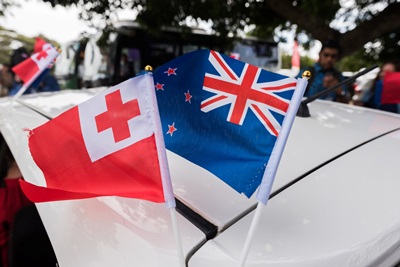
(148, 68)
(307, 74)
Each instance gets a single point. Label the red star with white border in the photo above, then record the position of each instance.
(171, 71)
(188, 96)
(171, 129)
(159, 86)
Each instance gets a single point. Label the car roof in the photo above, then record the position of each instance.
(325, 145)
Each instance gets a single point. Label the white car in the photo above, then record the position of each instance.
(335, 200)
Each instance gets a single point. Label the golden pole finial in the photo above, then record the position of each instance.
(148, 68)
(307, 74)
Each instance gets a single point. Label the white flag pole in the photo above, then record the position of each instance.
(250, 234)
(178, 241)
(25, 86)
(165, 173)
(264, 190)
(276, 155)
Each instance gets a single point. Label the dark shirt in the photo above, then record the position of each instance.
(317, 81)
(46, 83)
(49, 84)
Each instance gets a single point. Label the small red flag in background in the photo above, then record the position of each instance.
(103, 147)
(391, 88)
(29, 69)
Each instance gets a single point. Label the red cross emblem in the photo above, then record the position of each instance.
(117, 116)
(42, 54)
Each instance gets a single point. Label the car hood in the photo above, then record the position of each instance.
(332, 130)
(319, 184)
(344, 213)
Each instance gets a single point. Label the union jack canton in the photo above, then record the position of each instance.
(244, 92)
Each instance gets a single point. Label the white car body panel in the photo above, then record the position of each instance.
(332, 218)
(342, 214)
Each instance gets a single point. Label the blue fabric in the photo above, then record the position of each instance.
(235, 153)
(45, 82)
(378, 93)
(374, 99)
(50, 84)
(14, 88)
(36, 83)
(317, 83)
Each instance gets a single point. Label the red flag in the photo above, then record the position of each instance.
(295, 55)
(40, 45)
(104, 146)
(29, 69)
(391, 88)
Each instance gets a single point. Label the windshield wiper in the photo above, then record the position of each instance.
(303, 108)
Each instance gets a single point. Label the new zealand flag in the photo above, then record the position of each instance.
(222, 114)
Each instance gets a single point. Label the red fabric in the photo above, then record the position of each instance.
(39, 43)
(296, 55)
(31, 67)
(391, 88)
(12, 200)
(58, 149)
(26, 69)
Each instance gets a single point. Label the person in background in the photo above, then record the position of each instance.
(125, 69)
(324, 74)
(12, 199)
(373, 98)
(20, 54)
(48, 84)
(6, 80)
(16, 85)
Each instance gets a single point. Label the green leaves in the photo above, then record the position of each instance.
(353, 23)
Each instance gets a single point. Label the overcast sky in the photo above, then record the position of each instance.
(34, 17)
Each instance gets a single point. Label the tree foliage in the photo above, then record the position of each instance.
(305, 61)
(367, 19)
(370, 25)
(4, 5)
(10, 40)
